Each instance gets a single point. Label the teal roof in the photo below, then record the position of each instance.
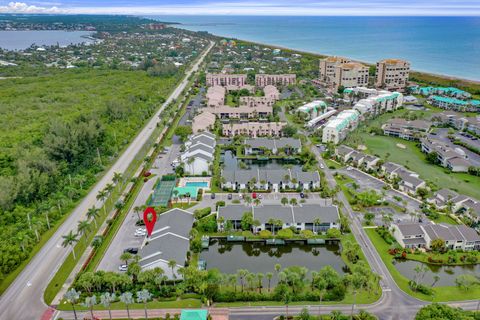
(194, 314)
(449, 100)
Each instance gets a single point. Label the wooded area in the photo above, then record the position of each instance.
(59, 132)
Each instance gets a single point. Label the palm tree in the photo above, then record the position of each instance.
(83, 228)
(109, 188)
(72, 297)
(293, 201)
(284, 201)
(175, 194)
(269, 276)
(316, 222)
(172, 264)
(242, 273)
(102, 195)
(117, 176)
(126, 256)
(90, 302)
(106, 300)
(143, 297)
(127, 298)
(137, 210)
(69, 240)
(260, 278)
(93, 213)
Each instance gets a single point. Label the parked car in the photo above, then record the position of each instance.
(322, 166)
(140, 233)
(131, 250)
(122, 267)
(229, 197)
(212, 196)
(254, 195)
(260, 196)
(302, 195)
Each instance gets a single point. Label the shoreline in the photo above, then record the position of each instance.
(321, 55)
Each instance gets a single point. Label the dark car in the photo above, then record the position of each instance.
(302, 195)
(131, 250)
(229, 196)
(212, 196)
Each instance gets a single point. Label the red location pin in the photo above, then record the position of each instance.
(149, 218)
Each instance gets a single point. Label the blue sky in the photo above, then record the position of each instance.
(250, 7)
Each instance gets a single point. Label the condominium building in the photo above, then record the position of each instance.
(328, 67)
(253, 129)
(352, 74)
(215, 96)
(271, 92)
(204, 121)
(392, 74)
(254, 102)
(242, 112)
(382, 102)
(337, 129)
(262, 80)
(224, 79)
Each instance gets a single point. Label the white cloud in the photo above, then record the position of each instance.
(22, 7)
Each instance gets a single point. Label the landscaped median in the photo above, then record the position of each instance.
(440, 294)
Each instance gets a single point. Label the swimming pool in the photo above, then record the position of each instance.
(198, 184)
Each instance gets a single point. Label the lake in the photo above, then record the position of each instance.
(447, 274)
(231, 162)
(258, 257)
(20, 40)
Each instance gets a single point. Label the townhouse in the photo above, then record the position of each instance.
(274, 180)
(313, 217)
(261, 146)
(456, 203)
(361, 160)
(262, 80)
(253, 129)
(416, 235)
(198, 155)
(170, 241)
(408, 181)
(454, 159)
(406, 129)
(313, 109)
(392, 74)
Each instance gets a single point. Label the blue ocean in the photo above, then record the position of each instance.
(443, 45)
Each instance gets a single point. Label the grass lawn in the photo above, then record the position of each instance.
(186, 303)
(443, 218)
(440, 293)
(412, 158)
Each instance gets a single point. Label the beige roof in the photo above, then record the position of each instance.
(202, 121)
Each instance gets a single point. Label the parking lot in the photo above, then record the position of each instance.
(366, 182)
(125, 237)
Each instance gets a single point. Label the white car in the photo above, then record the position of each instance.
(349, 168)
(322, 166)
(141, 230)
(140, 233)
(122, 267)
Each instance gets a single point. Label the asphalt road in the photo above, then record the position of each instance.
(24, 298)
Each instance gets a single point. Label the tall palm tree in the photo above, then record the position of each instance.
(127, 298)
(90, 302)
(72, 297)
(117, 177)
(242, 273)
(102, 195)
(106, 299)
(316, 223)
(83, 228)
(172, 264)
(260, 281)
(69, 240)
(137, 210)
(269, 276)
(93, 213)
(143, 297)
(109, 189)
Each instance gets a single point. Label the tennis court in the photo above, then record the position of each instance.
(163, 192)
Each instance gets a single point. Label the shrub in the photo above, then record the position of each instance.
(201, 213)
(285, 233)
(265, 234)
(307, 233)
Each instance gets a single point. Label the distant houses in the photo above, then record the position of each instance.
(274, 180)
(405, 129)
(446, 199)
(315, 218)
(454, 159)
